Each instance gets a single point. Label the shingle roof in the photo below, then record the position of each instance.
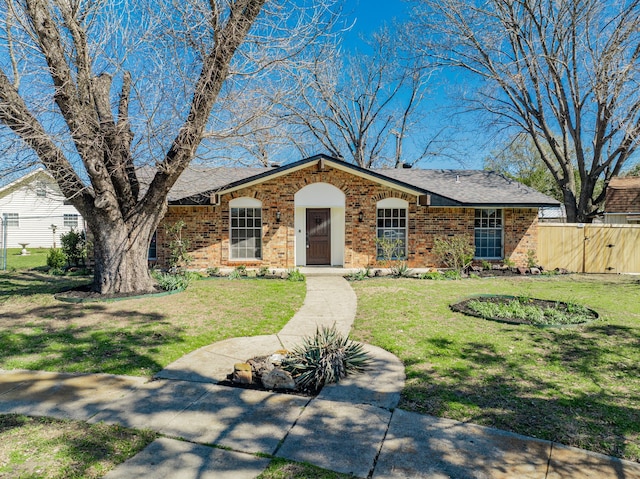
(471, 187)
(447, 187)
(623, 195)
(202, 180)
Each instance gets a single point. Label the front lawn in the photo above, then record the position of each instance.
(59, 449)
(134, 337)
(578, 385)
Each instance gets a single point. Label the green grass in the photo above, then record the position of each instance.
(578, 386)
(36, 258)
(60, 449)
(283, 469)
(134, 337)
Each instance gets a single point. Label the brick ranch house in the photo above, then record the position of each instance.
(322, 211)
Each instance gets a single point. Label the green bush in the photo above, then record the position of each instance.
(434, 275)
(324, 358)
(359, 275)
(173, 282)
(213, 272)
(238, 272)
(400, 270)
(456, 251)
(295, 275)
(74, 246)
(56, 259)
(179, 256)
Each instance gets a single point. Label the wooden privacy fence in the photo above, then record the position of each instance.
(589, 248)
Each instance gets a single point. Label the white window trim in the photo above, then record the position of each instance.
(501, 210)
(398, 204)
(70, 216)
(244, 202)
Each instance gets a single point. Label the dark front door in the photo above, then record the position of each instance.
(318, 236)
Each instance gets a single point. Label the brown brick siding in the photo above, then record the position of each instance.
(206, 227)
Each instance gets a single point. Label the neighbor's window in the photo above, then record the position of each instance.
(488, 233)
(70, 220)
(13, 219)
(246, 228)
(41, 189)
(392, 228)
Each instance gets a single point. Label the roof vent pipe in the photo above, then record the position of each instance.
(457, 178)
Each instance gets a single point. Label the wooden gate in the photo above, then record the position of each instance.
(589, 248)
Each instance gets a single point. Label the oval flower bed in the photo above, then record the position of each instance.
(525, 310)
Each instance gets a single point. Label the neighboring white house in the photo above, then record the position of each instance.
(34, 211)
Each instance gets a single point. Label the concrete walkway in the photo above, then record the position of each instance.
(352, 427)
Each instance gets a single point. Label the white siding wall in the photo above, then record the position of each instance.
(36, 214)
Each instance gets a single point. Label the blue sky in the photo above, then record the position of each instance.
(368, 16)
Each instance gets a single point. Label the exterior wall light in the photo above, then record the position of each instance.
(278, 216)
(361, 217)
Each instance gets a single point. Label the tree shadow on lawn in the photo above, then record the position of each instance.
(88, 338)
(29, 283)
(585, 395)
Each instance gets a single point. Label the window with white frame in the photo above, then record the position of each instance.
(245, 228)
(392, 215)
(12, 219)
(70, 220)
(41, 189)
(488, 233)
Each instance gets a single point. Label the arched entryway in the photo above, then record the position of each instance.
(319, 224)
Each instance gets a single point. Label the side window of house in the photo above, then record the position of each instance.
(488, 233)
(13, 219)
(70, 220)
(153, 248)
(41, 189)
(245, 229)
(392, 229)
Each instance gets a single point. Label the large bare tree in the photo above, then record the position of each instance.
(96, 88)
(565, 72)
(362, 107)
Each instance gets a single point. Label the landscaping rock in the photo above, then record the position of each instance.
(242, 373)
(276, 358)
(278, 379)
(522, 270)
(535, 271)
(260, 365)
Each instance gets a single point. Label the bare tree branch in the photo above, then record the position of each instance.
(565, 73)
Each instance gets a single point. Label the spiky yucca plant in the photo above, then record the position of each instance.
(324, 358)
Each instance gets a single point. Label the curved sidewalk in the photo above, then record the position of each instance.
(351, 427)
